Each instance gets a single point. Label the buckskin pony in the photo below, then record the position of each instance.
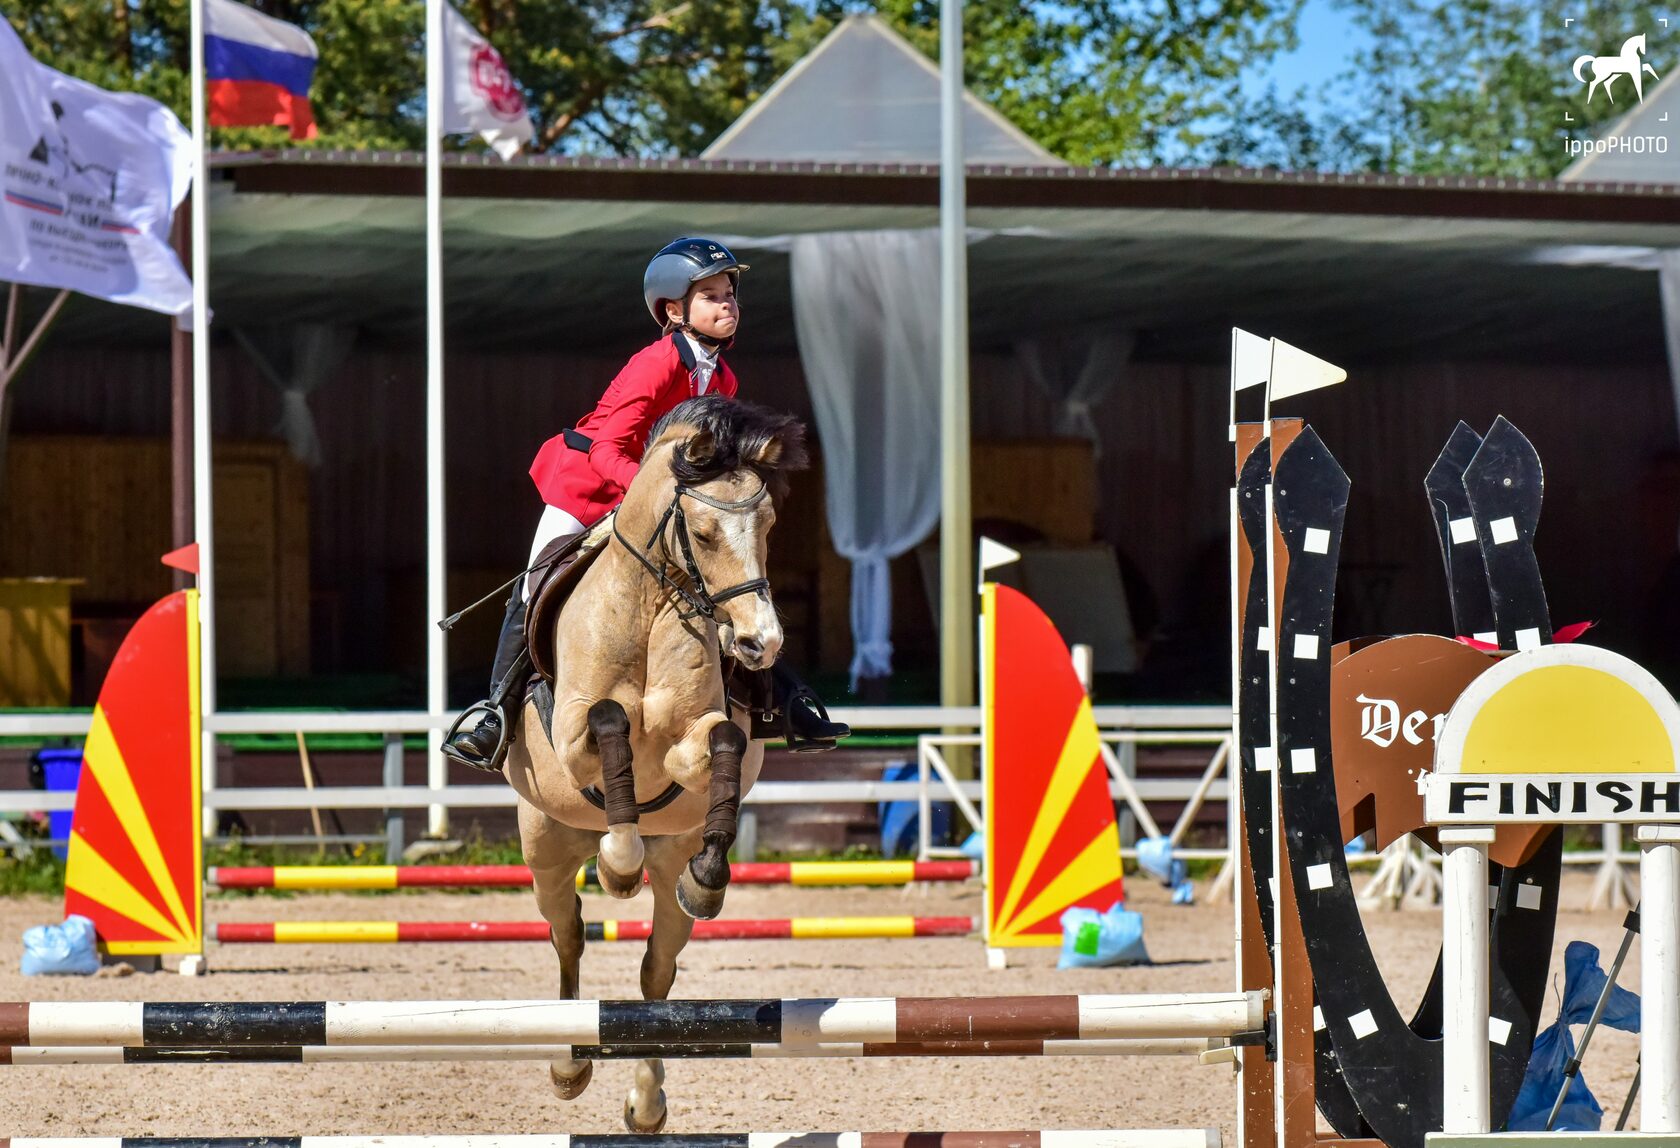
(639, 757)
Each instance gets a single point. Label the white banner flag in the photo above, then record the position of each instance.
(89, 180)
(482, 95)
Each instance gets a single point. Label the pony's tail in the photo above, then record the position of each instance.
(1579, 61)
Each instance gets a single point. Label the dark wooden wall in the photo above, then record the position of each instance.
(1607, 437)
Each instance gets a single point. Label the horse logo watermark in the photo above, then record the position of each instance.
(1606, 70)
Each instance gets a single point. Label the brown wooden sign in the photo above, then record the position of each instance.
(1388, 701)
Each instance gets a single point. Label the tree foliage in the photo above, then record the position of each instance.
(1095, 81)
(1480, 87)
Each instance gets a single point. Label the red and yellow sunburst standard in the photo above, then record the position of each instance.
(1051, 839)
(135, 866)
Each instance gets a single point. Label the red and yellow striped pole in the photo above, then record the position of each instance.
(394, 932)
(365, 877)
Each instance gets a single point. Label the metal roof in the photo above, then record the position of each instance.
(1363, 268)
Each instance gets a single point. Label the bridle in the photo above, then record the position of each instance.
(700, 601)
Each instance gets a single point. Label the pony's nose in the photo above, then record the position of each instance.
(750, 650)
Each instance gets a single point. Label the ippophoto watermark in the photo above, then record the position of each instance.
(1619, 145)
(1601, 74)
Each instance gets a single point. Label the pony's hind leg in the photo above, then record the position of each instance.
(555, 853)
(621, 854)
(645, 1110)
(700, 887)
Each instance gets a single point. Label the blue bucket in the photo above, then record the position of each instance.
(61, 769)
(899, 819)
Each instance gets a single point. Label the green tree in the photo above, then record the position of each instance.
(1095, 81)
(1474, 87)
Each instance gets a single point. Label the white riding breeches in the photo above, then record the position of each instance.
(555, 523)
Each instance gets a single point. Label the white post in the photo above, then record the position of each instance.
(1084, 661)
(1659, 977)
(956, 526)
(1464, 970)
(203, 468)
(437, 650)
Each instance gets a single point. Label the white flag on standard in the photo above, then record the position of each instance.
(482, 95)
(89, 180)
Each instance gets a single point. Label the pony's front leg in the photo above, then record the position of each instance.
(621, 853)
(555, 853)
(702, 884)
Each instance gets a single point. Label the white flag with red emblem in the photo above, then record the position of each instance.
(482, 95)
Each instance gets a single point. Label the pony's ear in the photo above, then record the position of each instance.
(701, 448)
(768, 454)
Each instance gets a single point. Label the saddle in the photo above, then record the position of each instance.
(563, 562)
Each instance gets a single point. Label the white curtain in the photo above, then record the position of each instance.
(1077, 372)
(296, 361)
(866, 311)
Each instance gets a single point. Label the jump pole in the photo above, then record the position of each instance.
(1136, 1138)
(1210, 1049)
(809, 873)
(866, 1020)
(405, 932)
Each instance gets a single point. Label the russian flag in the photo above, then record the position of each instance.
(257, 69)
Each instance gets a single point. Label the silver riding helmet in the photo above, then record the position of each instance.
(679, 265)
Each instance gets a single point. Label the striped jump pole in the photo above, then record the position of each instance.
(392, 932)
(865, 1020)
(1134, 1138)
(353, 1054)
(364, 877)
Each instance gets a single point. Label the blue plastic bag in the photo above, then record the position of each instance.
(1093, 940)
(69, 949)
(1583, 980)
(1155, 857)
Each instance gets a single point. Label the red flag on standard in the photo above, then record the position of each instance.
(482, 95)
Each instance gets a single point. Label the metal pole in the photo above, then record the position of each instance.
(956, 527)
(437, 650)
(203, 495)
(393, 817)
(1630, 927)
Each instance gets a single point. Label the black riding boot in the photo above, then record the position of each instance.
(794, 713)
(478, 747)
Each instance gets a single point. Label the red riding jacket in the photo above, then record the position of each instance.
(588, 482)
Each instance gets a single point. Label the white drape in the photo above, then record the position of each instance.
(297, 361)
(866, 311)
(1077, 372)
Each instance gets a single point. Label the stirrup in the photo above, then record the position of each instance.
(801, 743)
(494, 763)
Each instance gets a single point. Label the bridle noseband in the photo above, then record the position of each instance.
(700, 601)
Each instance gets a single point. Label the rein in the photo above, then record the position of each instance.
(700, 601)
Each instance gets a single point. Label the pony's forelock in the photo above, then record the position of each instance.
(742, 436)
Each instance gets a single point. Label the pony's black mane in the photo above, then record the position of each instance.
(739, 432)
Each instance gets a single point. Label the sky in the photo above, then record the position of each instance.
(1328, 42)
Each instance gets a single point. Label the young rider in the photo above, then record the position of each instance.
(583, 472)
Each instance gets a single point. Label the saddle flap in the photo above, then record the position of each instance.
(563, 563)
